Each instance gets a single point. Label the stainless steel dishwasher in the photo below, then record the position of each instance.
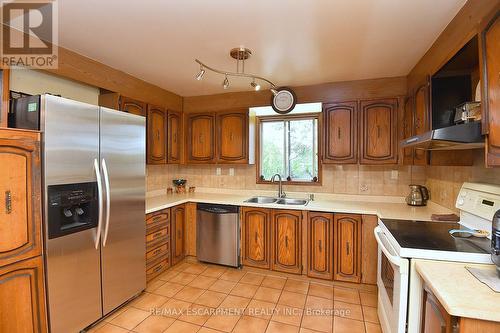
(217, 234)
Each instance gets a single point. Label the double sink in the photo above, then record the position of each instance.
(278, 201)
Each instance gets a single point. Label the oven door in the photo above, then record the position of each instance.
(392, 282)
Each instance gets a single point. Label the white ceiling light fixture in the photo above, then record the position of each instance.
(283, 99)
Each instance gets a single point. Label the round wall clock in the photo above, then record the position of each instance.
(284, 100)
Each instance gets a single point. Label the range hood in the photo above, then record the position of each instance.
(456, 137)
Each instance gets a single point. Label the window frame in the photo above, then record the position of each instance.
(308, 116)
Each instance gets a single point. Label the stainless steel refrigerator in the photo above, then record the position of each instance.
(94, 182)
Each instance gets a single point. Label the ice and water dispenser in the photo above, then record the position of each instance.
(72, 208)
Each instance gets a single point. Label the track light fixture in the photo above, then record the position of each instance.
(225, 83)
(240, 54)
(200, 74)
(255, 86)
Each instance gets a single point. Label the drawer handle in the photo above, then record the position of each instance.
(157, 268)
(347, 247)
(8, 202)
(156, 252)
(157, 217)
(319, 245)
(256, 237)
(174, 138)
(158, 234)
(338, 132)
(286, 241)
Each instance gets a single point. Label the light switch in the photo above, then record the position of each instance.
(231, 171)
(394, 174)
(218, 171)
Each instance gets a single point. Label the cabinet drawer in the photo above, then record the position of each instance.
(158, 252)
(159, 217)
(154, 236)
(157, 269)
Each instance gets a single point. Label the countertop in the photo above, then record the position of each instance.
(383, 207)
(460, 293)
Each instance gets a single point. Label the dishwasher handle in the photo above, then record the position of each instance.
(218, 209)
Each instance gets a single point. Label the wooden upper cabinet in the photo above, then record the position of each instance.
(320, 245)
(132, 106)
(156, 135)
(232, 137)
(378, 126)
(22, 297)
(174, 134)
(286, 242)
(422, 120)
(491, 90)
(20, 198)
(177, 218)
(256, 237)
(340, 128)
(406, 130)
(201, 138)
(347, 247)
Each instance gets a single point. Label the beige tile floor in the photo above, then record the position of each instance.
(192, 297)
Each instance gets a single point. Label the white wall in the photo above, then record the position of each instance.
(36, 82)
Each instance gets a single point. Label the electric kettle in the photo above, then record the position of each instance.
(418, 195)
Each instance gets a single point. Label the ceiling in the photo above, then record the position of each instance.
(298, 42)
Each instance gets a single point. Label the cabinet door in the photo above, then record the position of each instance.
(201, 135)
(422, 123)
(156, 143)
(320, 245)
(347, 247)
(22, 297)
(434, 316)
(286, 241)
(232, 137)
(406, 128)
(491, 90)
(256, 237)
(20, 198)
(132, 106)
(174, 130)
(340, 133)
(369, 250)
(178, 214)
(379, 132)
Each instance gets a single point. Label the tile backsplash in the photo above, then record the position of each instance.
(443, 182)
(337, 179)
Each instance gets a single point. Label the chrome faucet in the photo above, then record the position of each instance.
(281, 194)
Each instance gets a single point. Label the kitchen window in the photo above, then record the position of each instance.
(288, 145)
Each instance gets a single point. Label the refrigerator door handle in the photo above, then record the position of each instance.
(108, 201)
(100, 202)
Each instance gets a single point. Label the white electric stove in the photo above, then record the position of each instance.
(400, 241)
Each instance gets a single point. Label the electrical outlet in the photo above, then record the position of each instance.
(394, 174)
(363, 187)
(231, 171)
(218, 171)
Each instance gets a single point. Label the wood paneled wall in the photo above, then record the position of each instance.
(327, 92)
(465, 25)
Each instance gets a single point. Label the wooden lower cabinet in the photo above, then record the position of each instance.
(157, 243)
(347, 247)
(286, 241)
(22, 297)
(256, 237)
(320, 245)
(178, 216)
(369, 249)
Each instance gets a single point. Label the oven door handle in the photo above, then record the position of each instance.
(394, 259)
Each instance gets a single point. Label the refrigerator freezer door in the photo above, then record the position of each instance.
(123, 164)
(70, 146)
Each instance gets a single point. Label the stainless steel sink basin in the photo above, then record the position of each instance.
(290, 201)
(262, 200)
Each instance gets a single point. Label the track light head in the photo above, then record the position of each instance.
(200, 74)
(225, 83)
(255, 86)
